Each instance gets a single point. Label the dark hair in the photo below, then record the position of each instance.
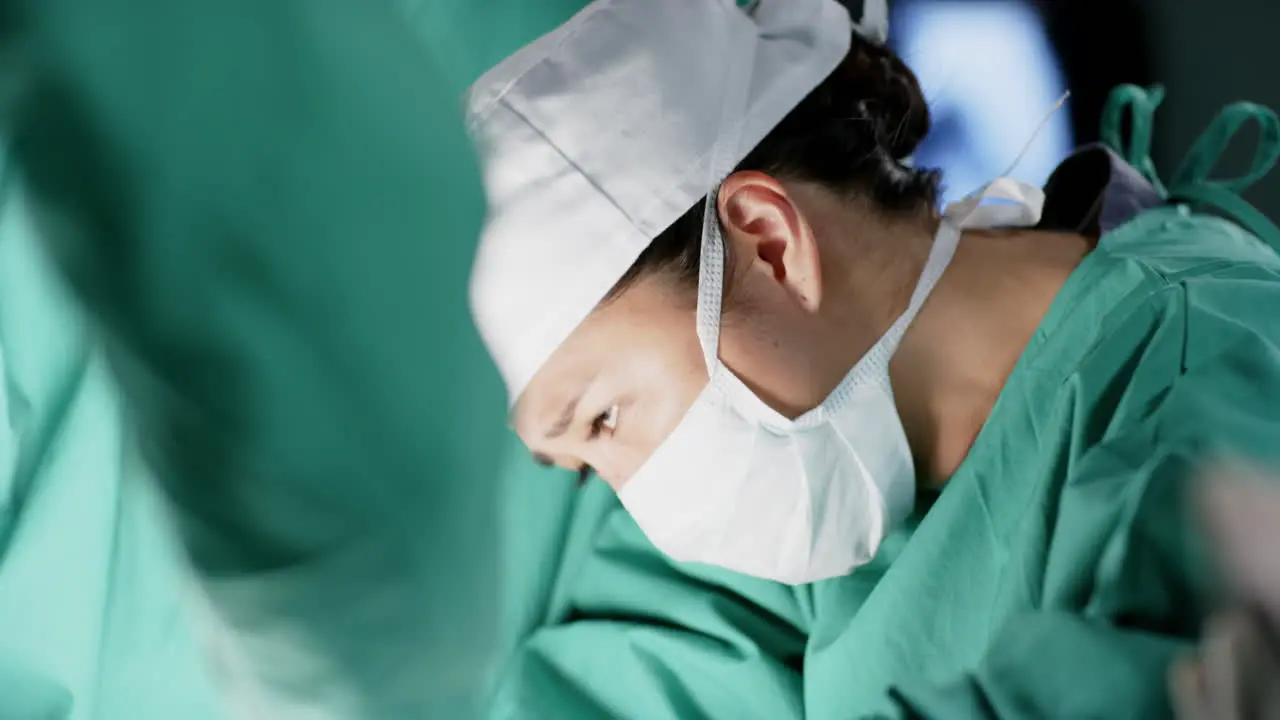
(850, 134)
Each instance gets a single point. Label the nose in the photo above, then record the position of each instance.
(559, 454)
(591, 462)
(614, 471)
(548, 459)
(601, 456)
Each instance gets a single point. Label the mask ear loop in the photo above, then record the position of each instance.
(712, 280)
(1021, 208)
(711, 262)
(710, 284)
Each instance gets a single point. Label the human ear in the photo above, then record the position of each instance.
(766, 230)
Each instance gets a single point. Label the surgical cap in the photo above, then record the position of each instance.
(599, 135)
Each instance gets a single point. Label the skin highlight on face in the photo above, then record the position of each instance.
(617, 387)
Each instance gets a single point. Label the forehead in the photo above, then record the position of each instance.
(549, 397)
(647, 315)
(624, 338)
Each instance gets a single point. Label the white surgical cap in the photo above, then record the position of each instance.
(599, 135)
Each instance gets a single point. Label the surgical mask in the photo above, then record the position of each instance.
(740, 486)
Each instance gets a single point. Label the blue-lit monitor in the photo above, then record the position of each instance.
(990, 75)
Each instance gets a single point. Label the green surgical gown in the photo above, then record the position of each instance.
(250, 433)
(273, 289)
(1055, 575)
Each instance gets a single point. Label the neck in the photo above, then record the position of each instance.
(956, 357)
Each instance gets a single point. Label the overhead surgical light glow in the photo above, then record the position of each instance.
(990, 74)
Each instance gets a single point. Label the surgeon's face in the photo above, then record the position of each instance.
(624, 379)
(618, 386)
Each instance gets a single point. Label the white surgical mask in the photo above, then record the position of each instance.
(740, 486)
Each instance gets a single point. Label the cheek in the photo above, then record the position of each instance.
(784, 362)
(666, 378)
(640, 351)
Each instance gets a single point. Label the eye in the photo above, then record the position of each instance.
(606, 421)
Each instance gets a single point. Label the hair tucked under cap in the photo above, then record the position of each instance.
(598, 136)
(851, 134)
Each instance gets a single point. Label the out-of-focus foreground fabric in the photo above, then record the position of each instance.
(268, 211)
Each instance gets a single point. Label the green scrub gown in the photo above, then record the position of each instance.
(268, 212)
(1056, 574)
(248, 290)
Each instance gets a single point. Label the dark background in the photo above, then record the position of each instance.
(1207, 53)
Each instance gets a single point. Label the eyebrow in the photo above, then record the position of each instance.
(562, 425)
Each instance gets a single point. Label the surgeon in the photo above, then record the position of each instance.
(712, 277)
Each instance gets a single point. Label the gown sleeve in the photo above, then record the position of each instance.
(621, 631)
(1125, 545)
(269, 210)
